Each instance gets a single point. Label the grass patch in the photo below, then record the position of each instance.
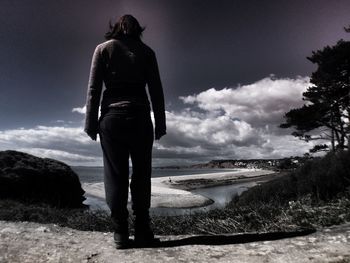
(315, 195)
(322, 179)
(265, 217)
(82, 219)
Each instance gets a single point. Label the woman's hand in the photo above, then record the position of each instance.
(159, 133)
(92, 134)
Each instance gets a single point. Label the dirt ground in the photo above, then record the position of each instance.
(33, 242)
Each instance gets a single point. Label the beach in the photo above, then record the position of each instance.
(178, 191)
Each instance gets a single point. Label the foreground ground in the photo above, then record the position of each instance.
(33, 242)
(317, 196)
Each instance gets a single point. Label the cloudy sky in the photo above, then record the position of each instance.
(230, 70)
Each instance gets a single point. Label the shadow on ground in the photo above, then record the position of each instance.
(213, 240)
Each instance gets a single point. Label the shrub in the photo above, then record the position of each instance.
(321, 178)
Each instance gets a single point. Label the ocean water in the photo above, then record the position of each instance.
(221, 195)
(95, 174)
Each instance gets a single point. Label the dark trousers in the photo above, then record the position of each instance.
(125, 133)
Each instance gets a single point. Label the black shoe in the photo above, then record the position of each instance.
(145, 238)
(122, 240)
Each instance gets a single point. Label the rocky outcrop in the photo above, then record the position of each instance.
(32, 179)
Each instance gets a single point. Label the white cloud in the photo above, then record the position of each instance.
(80, 110)
(237, 122)
(263, 102)
(42, 135)
(189, 128)
(68, 144)
(63, 156)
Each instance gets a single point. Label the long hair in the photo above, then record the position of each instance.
(127, 25)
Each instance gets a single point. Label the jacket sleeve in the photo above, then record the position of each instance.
(94, 92)
(155, 90)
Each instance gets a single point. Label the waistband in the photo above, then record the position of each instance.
(127, 111)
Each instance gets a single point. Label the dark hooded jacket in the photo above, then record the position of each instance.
(125, 66)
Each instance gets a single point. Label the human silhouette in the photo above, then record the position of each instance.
(125, 65)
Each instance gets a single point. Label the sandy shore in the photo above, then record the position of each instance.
(174, 192)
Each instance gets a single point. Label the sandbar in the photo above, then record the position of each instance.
(175, 191)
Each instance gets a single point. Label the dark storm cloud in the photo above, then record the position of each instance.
(218, 44)
(206, 51)
(46, 46)
(45, 51)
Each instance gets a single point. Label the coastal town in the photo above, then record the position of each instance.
(270, 164)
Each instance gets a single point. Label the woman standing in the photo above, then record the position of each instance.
(125, 65)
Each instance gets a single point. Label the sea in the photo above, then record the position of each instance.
(221, 195)
(88, 174)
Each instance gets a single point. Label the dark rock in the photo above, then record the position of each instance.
(32, 179)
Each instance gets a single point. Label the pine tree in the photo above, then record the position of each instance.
(326, 112)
